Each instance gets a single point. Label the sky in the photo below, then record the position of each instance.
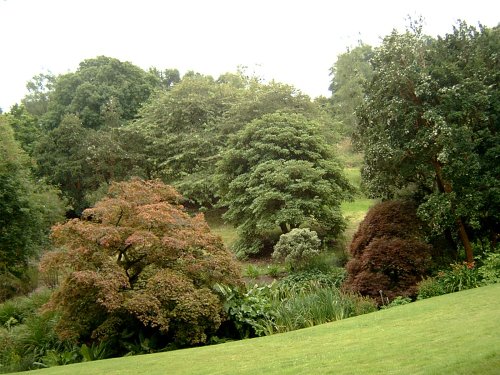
(291, 41)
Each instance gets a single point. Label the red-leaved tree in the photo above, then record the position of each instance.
(389, 255)
(137, 262)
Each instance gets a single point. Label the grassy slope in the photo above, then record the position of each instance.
(456, 333)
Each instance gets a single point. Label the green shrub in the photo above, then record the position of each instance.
(296, 301)
(60, 358)
(490, 269)
(23, 307)
(273, 270)
(430, 287)
(459, 276)
(297, 247)
(303, 309)
(252, 271)
(249, 310)
(398, 301)
(28, 339)
(313, 279)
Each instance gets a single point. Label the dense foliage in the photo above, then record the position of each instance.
(430, 125)
(350, 74)
(81, 160)
(28, 207)
(279, 173)
(137, 263)
(297, 247)
(181, 133)
(389, 255)
(297, 301)
(100, 89)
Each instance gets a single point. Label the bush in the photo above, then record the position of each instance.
(429, 287)
(301, 309)
(313, 279)
(21, 308)
(460, 276)
(389, 253)
(138, 263)
(26, 344)
(249, 310)
(398, 301)
(296, 301)
(297, 247)
(490, 269)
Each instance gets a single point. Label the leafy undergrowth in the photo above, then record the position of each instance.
(453, 334)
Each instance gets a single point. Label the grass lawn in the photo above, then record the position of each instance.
(453, 334)
(227, 232)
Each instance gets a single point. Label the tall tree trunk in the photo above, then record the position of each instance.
(284, 228)
(445, 187)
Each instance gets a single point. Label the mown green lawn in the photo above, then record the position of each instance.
(453, 334)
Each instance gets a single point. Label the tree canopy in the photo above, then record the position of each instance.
(279, 173)
(350, 73)
(182, 132)
(138, 262)
(100, 87)
(28, 207)
(430, 125)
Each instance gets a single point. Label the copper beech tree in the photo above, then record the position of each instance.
(138, 261)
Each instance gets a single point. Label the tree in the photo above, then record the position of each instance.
(182, 132)
(25, 126)
(80, 160)
(279, 173)
(28, 208)
(389, 255)
(176, 130)
(430, 125)
(138, 264)
(167, 78)
(39, 88)
(350, 73)
(97, 85)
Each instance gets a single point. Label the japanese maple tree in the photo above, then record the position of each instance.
(138, 262)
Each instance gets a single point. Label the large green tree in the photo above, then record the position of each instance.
(28, 207)
(350, 73)
(81, 160)
(177, 136)
(25, 125)
(430, 125)
(180, 133)
(98, 86)
(279, 173)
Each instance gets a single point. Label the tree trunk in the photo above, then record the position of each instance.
(465, 241)
(284, 228)
(445, 187)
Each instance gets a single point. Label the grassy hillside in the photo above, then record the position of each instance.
(452, 334)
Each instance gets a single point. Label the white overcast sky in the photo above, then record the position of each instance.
(292, 41)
